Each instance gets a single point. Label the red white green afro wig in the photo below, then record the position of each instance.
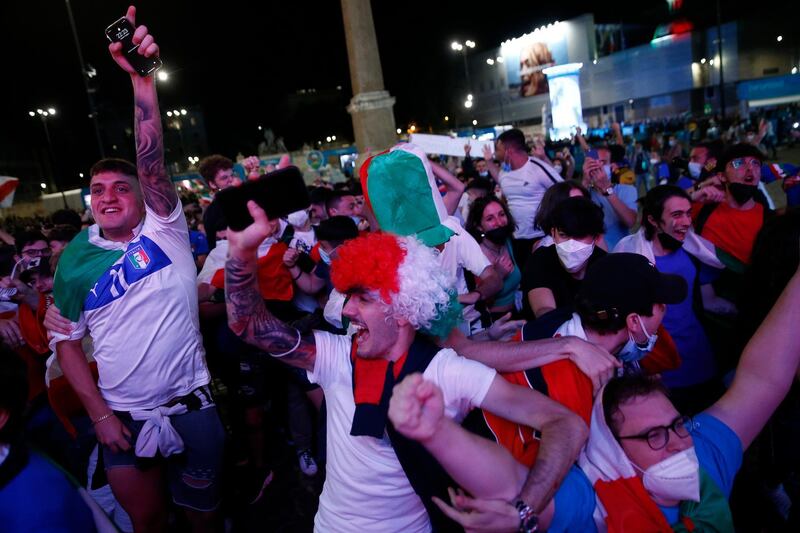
(406, 274)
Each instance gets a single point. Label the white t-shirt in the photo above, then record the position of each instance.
(366, 489)
(461, 252)
(142, 317)
(523, 189)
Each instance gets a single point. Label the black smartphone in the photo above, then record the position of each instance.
(278, 193)
(121, 31)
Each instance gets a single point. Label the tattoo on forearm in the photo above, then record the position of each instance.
(159, 192)
(249, 318)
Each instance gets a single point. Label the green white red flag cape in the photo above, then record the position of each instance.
(81, 264)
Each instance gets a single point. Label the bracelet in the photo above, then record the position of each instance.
(104, 417)
(299, 338)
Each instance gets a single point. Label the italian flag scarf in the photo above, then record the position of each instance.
(623, 504)
(80, 266)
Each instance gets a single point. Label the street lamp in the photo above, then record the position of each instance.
(463, 49)
(162, 75)
(43, 116)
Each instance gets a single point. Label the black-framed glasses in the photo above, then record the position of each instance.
(658, 437)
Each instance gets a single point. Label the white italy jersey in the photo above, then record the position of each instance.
(142, 315)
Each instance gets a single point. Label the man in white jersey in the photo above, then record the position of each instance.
(524, 180)
(377, 480)
(129, 282)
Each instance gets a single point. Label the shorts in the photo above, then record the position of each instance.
(193, 476)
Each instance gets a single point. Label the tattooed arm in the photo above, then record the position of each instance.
(159, 192)
(248, 317)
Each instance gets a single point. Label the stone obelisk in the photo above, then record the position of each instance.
(371, 105)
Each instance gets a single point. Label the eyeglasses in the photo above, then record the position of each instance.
(36, 252)
(658, 437)
(741, 162)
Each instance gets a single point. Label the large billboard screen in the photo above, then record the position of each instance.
(565, 100)
(526, 57)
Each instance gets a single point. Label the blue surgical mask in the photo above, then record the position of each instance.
(326, 258)
(695, 169)
(607, 170)
(633, 351)
(483, 174)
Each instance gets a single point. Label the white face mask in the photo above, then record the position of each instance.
(675, 478)
(558, 168)
(607, 170)
(695, 169)
(573, 254)
(298, 219)
(654, 161)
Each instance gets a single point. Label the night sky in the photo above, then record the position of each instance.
(239, 61)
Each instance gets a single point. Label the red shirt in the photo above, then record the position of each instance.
(732, 230)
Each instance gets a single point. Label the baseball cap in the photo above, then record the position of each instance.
(623, 283)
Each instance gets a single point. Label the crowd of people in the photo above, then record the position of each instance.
(594, 337)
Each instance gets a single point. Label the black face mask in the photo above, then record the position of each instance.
(499, 235)
(668, 242)
(742, 192)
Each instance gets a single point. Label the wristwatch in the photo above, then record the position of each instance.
(528, 521)
(609, 191)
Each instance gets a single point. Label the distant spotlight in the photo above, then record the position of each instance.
(474, 122)
(794, 71)
(176, 112)
(455, 46)
(470, 44)
(469, 97)
(169, 113)
(43, 186)
(162, 76)
(711, 62)
(796, 125)
(630, 101)
(260, 128)
(490, 61)
(499, 59)
(333, 137)
(80, 174)
(183, 111)
(51, 110)
(412, 128)
(468, 104)
(703, 61)
(594, 62)
(780, 38)
(328, 138)
(399, 131)
(31, 113)
(474, 136)
(446, 118)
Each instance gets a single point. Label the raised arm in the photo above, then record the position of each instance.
(455, 189)
(248, 317)
(766, 370)
(159, 192)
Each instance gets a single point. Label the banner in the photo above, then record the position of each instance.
(7, 187)
(444, 145)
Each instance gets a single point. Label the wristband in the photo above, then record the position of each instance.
(104, 417)
(528, 521)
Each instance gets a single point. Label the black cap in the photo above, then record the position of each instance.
(338, 228)
(622, 283)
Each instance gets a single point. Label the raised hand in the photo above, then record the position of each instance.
(141, 36)
(416, 408)
(249, 238)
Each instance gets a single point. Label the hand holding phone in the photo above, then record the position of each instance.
(134, 49)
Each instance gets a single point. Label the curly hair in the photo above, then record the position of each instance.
(212, 164)
(406, 274)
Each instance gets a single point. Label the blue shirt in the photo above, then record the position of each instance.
(719, 452)
(697, 356)
(198, 242)
(40, 498)
(615, 228)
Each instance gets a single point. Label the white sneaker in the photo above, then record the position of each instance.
(307, 463)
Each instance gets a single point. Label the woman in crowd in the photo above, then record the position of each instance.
(492, 225)
(552, 197)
